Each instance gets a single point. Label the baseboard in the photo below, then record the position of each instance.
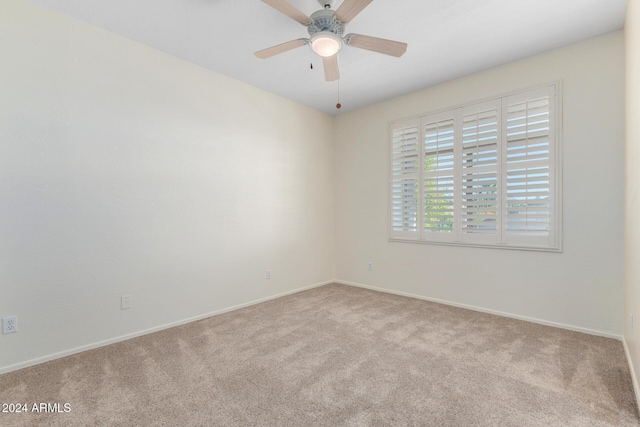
(80, 349)
(486, 310)
(634, 379)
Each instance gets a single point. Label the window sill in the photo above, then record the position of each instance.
(474, 245)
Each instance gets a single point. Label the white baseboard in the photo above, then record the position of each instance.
(486, 310)
(38, 360)
(634, 379)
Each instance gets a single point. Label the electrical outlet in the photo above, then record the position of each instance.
(10, 325)
(370, 266)
(268, 274)
(631, 322)
(125, 302)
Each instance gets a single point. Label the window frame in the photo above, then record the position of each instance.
(503, 240)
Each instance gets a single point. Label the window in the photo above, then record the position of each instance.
(484, 174)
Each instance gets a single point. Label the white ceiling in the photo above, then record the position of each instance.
(447, 39)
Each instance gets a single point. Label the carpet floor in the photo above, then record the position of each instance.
(336, 356)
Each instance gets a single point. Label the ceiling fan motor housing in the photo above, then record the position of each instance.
(324, 20)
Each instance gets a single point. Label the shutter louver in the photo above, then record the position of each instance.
(480, 181)
(404, 185)
(438, 176)
(528, 180)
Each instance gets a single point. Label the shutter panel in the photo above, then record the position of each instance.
(438, 177)
(480, 168)
(405, 161)
(529, 177)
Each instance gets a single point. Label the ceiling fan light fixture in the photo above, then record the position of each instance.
(326, 43)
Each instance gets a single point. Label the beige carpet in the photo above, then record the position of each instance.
(333, 356)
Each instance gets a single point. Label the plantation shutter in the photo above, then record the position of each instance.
(438, 177)
(484, 174)
(480, 173)
(529, 178)
(405, 174)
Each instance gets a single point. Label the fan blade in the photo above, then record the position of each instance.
(281, 48)
(290, 11)
(388, 47)
(349, 9)
(331, 70)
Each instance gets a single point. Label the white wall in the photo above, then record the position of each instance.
(632, 189)
(579, 288)
(126, 171)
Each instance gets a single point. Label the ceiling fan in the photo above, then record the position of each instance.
(326, 32)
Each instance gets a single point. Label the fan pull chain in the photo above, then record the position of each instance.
(338, 105)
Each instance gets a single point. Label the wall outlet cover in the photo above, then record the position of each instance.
(9, 324)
